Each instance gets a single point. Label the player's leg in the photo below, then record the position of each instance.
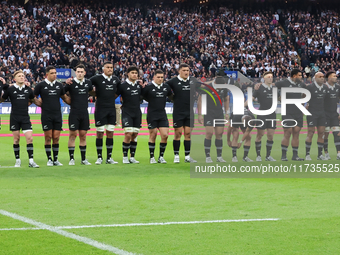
(177, 141)
(133, 146)
(16, 147)
(164, 132)
(310, 133)
(126, 143)
(287, 132)
(269, 145)
(152, 143)
(110, 128)
(219, 143)
(187, 144)
(209, 131)
(55, 147)
(260, 133)
(100, 122)
(295, 142)
(325, 143)
(48, 147)
(320, 142)
(234, 143)
(29, 146)
(71, 145)
(246, 147)
(82, 147)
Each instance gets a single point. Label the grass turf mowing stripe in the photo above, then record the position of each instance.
(64, 233)
(165, 223)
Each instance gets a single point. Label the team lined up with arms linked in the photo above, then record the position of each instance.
(181, 90)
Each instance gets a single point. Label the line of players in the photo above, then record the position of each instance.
(106, 87)
(322, 106)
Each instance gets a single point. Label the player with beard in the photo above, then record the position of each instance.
(292, 113)
(331, 112)
(316, 107)
(21, 97)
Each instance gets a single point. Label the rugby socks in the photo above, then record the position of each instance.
(269, 146)
(109, 146)
(308, 145)
(246, 151)
(71, 152)
(55, 148)
(126, 147)
(152, 149)
(234, 151)
(83, 152)
(320, 149)
(133, 147)
(176, 144)
(258, 148)
(284, 149)
(295, 152)
(16, 148)
(99, 145)
(187, 145)
(207, 146)
(162, 147)
(48, 151)
(325, 145)
(219, 146)
(29, 149)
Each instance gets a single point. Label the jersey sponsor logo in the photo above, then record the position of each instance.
(13, 127)
(21, 96)
(72, 126)
(82, 91)
(159, 94)
(134, 92)
(109, 87)
(186, 87)
(52, 92)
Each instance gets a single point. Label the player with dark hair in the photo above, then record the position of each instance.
(181, 86)
(78, 120)
(316, 107)
(50, 90)
(331, 112)
(214, 111)
(130, 91)
(21, 96)
(292, 113)
(105, 87)
(245, 123)
(264, 94)
(156, 93)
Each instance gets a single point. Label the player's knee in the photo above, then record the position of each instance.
(100, 135)
(287, 133)
(29, 139)
(209, 135)
(128, 135)
(164, 136)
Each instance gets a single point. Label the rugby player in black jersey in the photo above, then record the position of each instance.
(156, 94)
(131, 91)
(292, 113)
(264, 94)
(183, 108)
(78, 120)
(245, 123)
(318, 119)
(105, 86)
(21, 97)
(214, 111)
(331, 112)
(50, 90)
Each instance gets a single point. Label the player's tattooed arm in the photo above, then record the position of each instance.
(37, 101)
(66, 99)
(93, 91)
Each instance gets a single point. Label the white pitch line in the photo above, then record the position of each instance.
(8, 229)
(165, 223)
(64, 233)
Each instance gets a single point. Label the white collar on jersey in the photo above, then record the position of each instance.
(107, 77)
(319, 87)
(78, 81)
(130, 82)
(183, 79)
(266, 86)
(50, 83)
(18, 87)
(158, 86)
(329, 86)
(290, 80)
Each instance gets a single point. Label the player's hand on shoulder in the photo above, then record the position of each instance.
(257, 86)
(69, 81)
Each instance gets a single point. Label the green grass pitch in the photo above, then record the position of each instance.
(307, 208)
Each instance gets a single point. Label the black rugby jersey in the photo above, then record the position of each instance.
(20, 98)
(105, 90)
(50, 94)
(79, 93)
